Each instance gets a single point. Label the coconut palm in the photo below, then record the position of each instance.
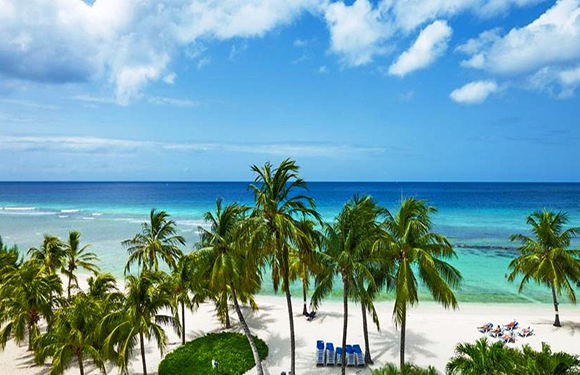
(77, 257)
(26, 296)
(72, 336)
(189, 288)
(278, 204)
(544, 257)
(416, 253)
(481, 358)
(545, 362)
(9, 259)
(140, 318)
(158, 239)
(408, 369)
(228, 262)
(304, 262)
(50, 255)
(346, 254)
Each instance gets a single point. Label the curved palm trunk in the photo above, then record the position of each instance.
(246, 329)
(305, 309)
(80, 360)
(182, 323)
(143, 353)
(368, 359)
(344, 326)
(292, 339)
(403, 334)
(555, 298)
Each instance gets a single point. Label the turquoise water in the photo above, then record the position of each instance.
(477, 217)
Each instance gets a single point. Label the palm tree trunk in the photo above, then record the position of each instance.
(182, 323)
(305, 309)
(143, 353)
(555, 298)
(81, 367)
(344, 326)
(368, 359)
(403, 334)
(246, 329)
(291, 319)
(69, 285)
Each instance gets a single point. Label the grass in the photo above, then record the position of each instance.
(231, 350)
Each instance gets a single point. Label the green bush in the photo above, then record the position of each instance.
(231, 350)
(409, 369)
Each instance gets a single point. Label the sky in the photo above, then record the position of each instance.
(387, 90)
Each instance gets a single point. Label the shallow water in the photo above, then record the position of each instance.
(477, 217)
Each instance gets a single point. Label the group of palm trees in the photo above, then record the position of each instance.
(366, 250)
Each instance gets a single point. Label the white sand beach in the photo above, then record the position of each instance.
(432, 333)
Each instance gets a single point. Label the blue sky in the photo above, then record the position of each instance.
(411, 90)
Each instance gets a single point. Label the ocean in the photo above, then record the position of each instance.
(477, 217)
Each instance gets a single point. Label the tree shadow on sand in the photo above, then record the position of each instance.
(389, 343)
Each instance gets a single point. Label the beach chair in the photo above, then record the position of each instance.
(497, 332)
(350, 359)
(319, 353)
(329, 354)
(360, 358)
(507, 338)
(526, 332)
(338, 356)
(485, 328)
(511, 326)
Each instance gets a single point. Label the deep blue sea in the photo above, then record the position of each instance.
(477, 217)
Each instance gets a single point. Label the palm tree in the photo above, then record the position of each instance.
(226, 259)
(304, 261)
(50, 255)
(186, 282)
(77, 257)
(408, 369)
(545, 362)
(277, 206)
(158, 239)
(544, 257)
(412, 250)
(26, 296)
(140, 318)
(72, 336)
(9, 259)
(345, 254)
(481, 358)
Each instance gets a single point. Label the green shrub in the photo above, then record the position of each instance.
(409, 369)
(231, 350)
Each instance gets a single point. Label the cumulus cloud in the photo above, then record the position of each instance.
(430, 44)
(474, 92)
(553, 38)
(358, 32)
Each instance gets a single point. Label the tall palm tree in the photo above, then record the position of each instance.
(278, 204)
(140, 318)
(227, 260)
(77, 257)
(304, 262)
(158, 239)
(416, 253)
(544, 257)
(481, 358)
(26, 296)
(50, 255)
(72, 336)
(345, 254)
(189, 289)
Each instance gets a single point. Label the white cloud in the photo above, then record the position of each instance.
(111, 146)
(474, 92)
(170, 78)
(553, 38)
(299, 43)
(323, 69)
(203, 62)
(357, 32)
(430, 44)
(163, 100)
(236, 50)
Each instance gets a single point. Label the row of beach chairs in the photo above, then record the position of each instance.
(506, 332)
(327, 355)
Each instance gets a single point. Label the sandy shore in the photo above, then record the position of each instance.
(432, 333)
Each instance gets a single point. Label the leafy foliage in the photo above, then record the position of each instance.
(230, 350)
(408, 369)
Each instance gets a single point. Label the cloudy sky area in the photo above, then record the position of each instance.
(389, 90)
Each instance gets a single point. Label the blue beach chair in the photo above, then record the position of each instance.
(319, 353)
(360, 358)
(329, 354)
(339, 356)
(350, 361)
